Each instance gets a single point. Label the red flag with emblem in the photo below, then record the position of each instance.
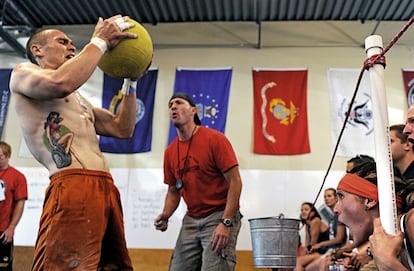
(280, 114)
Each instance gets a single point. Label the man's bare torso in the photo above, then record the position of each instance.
(60, 133)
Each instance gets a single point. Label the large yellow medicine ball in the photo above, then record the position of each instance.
(131, 57)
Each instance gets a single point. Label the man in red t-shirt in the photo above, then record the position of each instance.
(13, 194)
(201, 166)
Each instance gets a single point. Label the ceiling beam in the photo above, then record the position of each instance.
(9, 39)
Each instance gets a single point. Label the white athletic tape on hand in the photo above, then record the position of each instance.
(122, 24)
(128, 86)
(119, 20)
(125, 25)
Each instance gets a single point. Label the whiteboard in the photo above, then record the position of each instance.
(265, 193)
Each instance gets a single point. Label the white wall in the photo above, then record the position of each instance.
(240, 114)
(142, 194)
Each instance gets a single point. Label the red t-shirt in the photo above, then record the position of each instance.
(13, 183)
(209, 157)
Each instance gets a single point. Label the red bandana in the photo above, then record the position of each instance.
(356, 185)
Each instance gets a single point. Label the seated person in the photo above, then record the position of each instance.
(316, 231)
(337, 234)
(357, 208)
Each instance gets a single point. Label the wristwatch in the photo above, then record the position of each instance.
(226, 222)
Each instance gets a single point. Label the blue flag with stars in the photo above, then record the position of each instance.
(4, 96)
(210, 89)
(111, 97)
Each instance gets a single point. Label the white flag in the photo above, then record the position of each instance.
(358, 137)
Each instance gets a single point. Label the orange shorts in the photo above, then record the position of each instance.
(81, 226)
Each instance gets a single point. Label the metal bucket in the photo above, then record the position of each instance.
(275, 241)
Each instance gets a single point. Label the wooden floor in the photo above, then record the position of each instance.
(142, 259)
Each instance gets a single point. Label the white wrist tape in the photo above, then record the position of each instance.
(100, 43)
(128, 86)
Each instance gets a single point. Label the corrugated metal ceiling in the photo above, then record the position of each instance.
(37, 13)
(24, 16)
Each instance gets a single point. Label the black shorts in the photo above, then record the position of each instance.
(6, 256)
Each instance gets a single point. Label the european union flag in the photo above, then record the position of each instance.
(4, 96)
(210, 89)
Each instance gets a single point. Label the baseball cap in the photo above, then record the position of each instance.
(186, 97)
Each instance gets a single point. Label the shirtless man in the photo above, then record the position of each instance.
(81, 226)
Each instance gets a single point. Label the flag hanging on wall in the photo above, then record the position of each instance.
(280, 114)
(408, 78)
(4, 96)
(111, 97)
(210, 89)
(358, 136)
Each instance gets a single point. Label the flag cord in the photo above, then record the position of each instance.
(368, 63)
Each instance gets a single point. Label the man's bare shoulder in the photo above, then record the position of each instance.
(35, 82)
(20, 74)
(25, 67)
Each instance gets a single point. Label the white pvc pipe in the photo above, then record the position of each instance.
(383, 156)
